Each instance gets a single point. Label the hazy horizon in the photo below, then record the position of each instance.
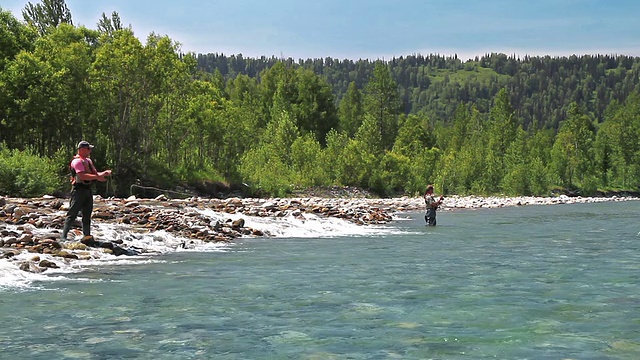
(377, 29)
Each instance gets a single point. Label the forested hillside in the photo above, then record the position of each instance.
(540, 89)
(162, 118)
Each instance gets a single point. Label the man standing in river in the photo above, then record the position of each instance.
(83, 175)
(432, 206)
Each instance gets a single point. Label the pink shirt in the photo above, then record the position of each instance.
(78, 165)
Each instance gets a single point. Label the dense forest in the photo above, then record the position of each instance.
(540, 89)
(496, 124)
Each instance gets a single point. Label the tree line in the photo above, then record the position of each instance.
(159, 117)
(540, 89)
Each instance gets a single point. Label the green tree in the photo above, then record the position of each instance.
(361, 157)
(243, 124)
(315, 110)
(14, 37)
(68, 52)
(243, 90)
(279, 78)
(370, 136)
(539, 148)
(502, 130)
(517, 175)
(618, 146)
(267, 166)
(413, 136)
(392, 175)
(307, 97)
(137, 89)
(382, 103)
(333, 156)
(463, 171)
(306, 155)
(462, 166)
(411, 163)
(461, 128)
(351, 110)
(191, 131)
(572, 153)
(110, 25)
(167, 88)
(47, 15)
(239, 132)
(46, 91)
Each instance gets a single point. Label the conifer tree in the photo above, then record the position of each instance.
(382, 103)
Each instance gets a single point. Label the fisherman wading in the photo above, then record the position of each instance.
(432, 205)
(83, 175)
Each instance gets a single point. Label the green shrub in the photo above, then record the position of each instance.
(265, 173)
(23, 174)
(589, 185)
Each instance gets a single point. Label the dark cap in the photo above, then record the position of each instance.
(430, 187)
(85, 144)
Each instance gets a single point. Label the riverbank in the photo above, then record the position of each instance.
(30, 228)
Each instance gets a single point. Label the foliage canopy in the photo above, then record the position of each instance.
(495, 124)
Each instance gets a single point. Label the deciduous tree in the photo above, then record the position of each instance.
(47, 15)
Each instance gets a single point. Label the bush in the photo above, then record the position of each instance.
(23, 174)
(590, 185)
(266, 173)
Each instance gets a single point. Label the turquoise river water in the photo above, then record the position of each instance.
(536, 282)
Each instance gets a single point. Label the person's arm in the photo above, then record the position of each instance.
(85, 175)
(104, 173)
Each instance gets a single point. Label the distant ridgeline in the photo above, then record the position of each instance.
(540, 89)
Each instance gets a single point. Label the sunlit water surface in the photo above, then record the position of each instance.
(537, 282)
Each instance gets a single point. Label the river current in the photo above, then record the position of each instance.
(534, 282)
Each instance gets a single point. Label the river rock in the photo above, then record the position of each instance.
(11, 240)
(8, 254)
(75, 246)
(236, 224)
(48, 264)
(66, 255)
(31, 267)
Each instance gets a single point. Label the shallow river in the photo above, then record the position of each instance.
(536, 282)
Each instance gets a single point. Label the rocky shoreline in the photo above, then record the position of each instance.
(34, 225)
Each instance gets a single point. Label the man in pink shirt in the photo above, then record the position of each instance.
(83, 174)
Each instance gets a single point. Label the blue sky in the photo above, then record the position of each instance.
(375, 29)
